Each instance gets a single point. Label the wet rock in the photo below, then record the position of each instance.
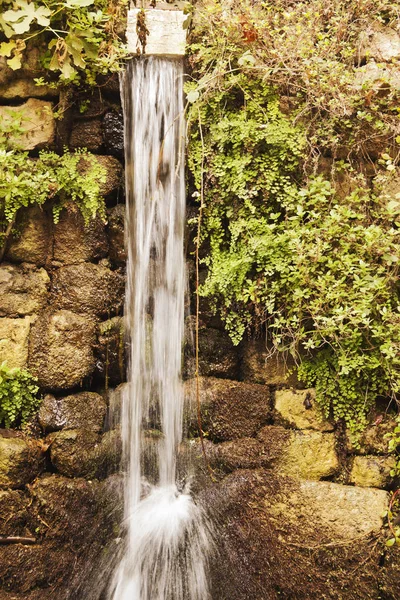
(86, 410)
(110, 351)
(23, 291)
(372, 471)
(116, 234)
(245, 453)
(114, 398)
(60, 349)
(14, 335)
(82, 453)
(218, 357)
(113, 133)
(300, 454)
(258, 366)
(20, 461)
(32, 243)
(114, 176)
(75, 242)
(298, 409)
(379, 43)
(87, 134)
(282, 538)
(72, 452)
(13, 512)
(37, 123)
(74, 520)
(88, 288)
(230, 409)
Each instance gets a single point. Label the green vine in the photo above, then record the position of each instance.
(18, 396)
(83, 38)
(288, 249)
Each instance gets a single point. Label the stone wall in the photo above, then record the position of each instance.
(297, 509)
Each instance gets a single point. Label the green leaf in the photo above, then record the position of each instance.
(391, 542)
(6, 48)
(15, 62)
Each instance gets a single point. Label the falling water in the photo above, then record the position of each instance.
(166, 538)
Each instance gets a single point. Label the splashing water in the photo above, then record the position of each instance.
(167, 539)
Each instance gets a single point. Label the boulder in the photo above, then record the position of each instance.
(14, 514)
(300, 454)
(260, 366)
(113, 133)
(14, 335)
(230, 409)
(23, 291)
(88, 288)
(378, 77)
(110, 351)
(284, 538)
(37, 123)
(298, 409)
(116, 234)
(114, 176)
(86, 410)
(372, 471)
(20, 461)
(34, 241)
(75, 242)
(72, 452)
(82, 453)
(87, 134)
(60, 349)
(218, 357)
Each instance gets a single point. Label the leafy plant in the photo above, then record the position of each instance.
(289, 250)
(18, 396)
(83, 37)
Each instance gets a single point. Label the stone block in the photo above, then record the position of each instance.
(114, 175)
(372, 471)
(167, 35)
(75, 242)
(259, 365)
(88, 288)
(37, 122)
(61, 349)
(116, 234)
(20, 461)
(33, 242)
(230, 409)
(298, 409)
(113, 133)
(300, 454)
(72, 452)
(20, 84)
(14, 335)
(86, 410)
(110, 351)
(87, 134)
(23, 291)
(218, 357)
(307, 539)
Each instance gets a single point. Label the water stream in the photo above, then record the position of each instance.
(167, 543)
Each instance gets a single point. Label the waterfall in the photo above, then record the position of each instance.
(167, 543)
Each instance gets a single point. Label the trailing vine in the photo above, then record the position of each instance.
(289, 250)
